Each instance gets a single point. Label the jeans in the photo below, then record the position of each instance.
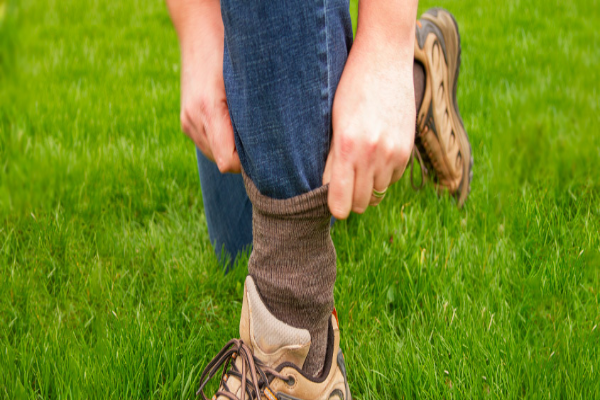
(282, 63)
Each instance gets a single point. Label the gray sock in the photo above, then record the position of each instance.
(293, 263)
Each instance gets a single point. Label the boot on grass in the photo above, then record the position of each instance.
(266, 362)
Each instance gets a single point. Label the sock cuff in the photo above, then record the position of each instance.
(307, 205)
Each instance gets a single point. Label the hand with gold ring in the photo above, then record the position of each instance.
(373, 119)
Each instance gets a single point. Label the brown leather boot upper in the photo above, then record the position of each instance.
(270, 355)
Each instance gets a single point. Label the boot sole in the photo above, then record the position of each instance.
(433, 15)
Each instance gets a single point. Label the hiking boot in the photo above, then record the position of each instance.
(266, 362)
(441, 142)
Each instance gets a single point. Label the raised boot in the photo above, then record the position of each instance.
(441, 139)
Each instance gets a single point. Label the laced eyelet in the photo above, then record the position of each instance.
(290, 381)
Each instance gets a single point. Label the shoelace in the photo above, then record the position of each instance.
(417, 154)
(259, 372)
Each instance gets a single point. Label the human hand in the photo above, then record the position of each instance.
(373, 121)
(204, 112)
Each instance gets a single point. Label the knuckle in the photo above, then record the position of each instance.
(223, 165)
(388, 150)
(227, 164)
(372, 143)
(203, 105)
(347, 146)
(185, 120)
(371, 147)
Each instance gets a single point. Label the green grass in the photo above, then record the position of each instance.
(109, 287)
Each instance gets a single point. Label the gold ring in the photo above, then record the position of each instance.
(379, 195)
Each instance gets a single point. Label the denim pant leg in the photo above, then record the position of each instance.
(228, 211)
(282, 63)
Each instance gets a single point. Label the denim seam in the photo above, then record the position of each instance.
(326, 79)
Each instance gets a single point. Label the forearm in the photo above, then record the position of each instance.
(387, 28)
(199, 26)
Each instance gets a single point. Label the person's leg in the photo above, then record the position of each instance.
(228, 211)
(282, 64)
(227, 207)
(280, 94)
(280, 84)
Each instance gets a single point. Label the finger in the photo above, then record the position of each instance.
(363, 188)
(222, 143)
(195, 130)
(401, 163)
(341, 187)
(328, 164)
(397, 174)
(381, 183)
(201, 142)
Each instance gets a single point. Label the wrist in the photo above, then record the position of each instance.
(386, 29)
(382, 53)
(201, 48)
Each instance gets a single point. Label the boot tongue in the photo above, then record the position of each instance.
(273, 341)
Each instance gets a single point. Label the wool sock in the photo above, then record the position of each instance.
(293, 263)
(419, 82)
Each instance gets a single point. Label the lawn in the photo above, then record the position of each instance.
(109, 287)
